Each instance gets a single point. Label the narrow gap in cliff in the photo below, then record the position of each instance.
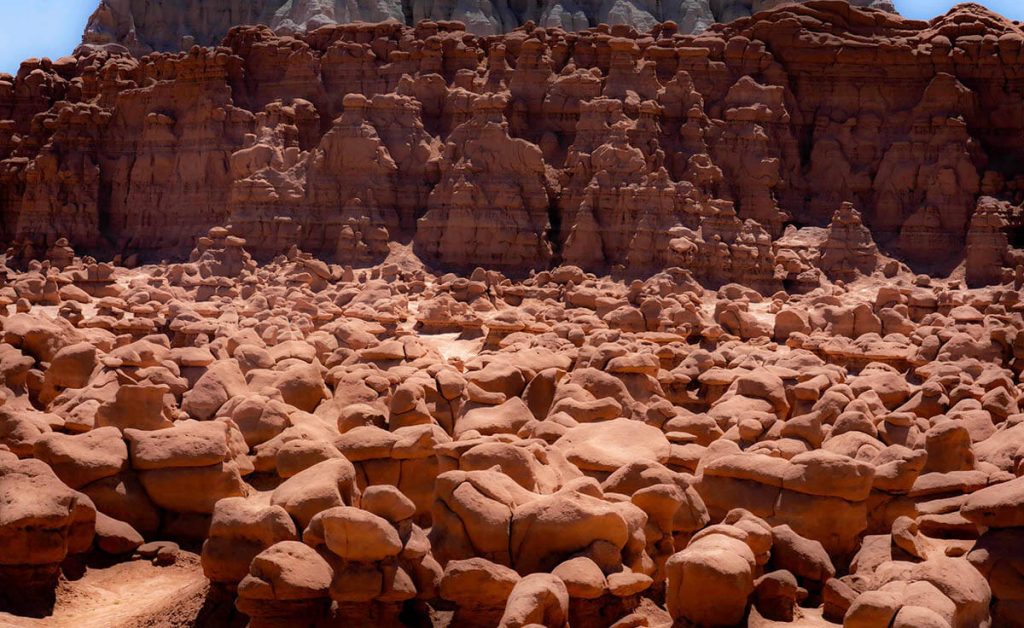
(716, 9)
(794, 220)
(805, 145)
(1015, 234)
(407, 12)
(554, 230)
(103, 196)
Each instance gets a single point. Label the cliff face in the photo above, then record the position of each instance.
(171, 25)
(606, 148)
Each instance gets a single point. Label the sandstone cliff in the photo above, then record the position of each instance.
(170, 25)
(607, 148)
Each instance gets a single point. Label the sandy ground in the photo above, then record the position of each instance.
(451, 346)
(804, 618)
(134, 594)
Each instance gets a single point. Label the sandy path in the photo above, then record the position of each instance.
(451, 346)
(126, 595)
(803, 618)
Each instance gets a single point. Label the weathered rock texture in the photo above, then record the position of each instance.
(169, 25)
(606, 148)
(546, 328)
(379, 444)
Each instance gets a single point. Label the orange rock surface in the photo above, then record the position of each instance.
(405, 325)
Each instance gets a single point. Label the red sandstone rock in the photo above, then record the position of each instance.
(635, 171)
(711, 409)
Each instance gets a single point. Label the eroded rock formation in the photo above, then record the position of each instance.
(145, 26)
(405, 323)
(380, 444)
(609, 149)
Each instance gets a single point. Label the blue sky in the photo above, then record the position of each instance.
(927, 9)
(52, 28)
(40, 28)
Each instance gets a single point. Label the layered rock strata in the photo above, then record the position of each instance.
(612, 149)
(147, 26)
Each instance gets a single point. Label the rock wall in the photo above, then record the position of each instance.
(169, 25)
(608, 148)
